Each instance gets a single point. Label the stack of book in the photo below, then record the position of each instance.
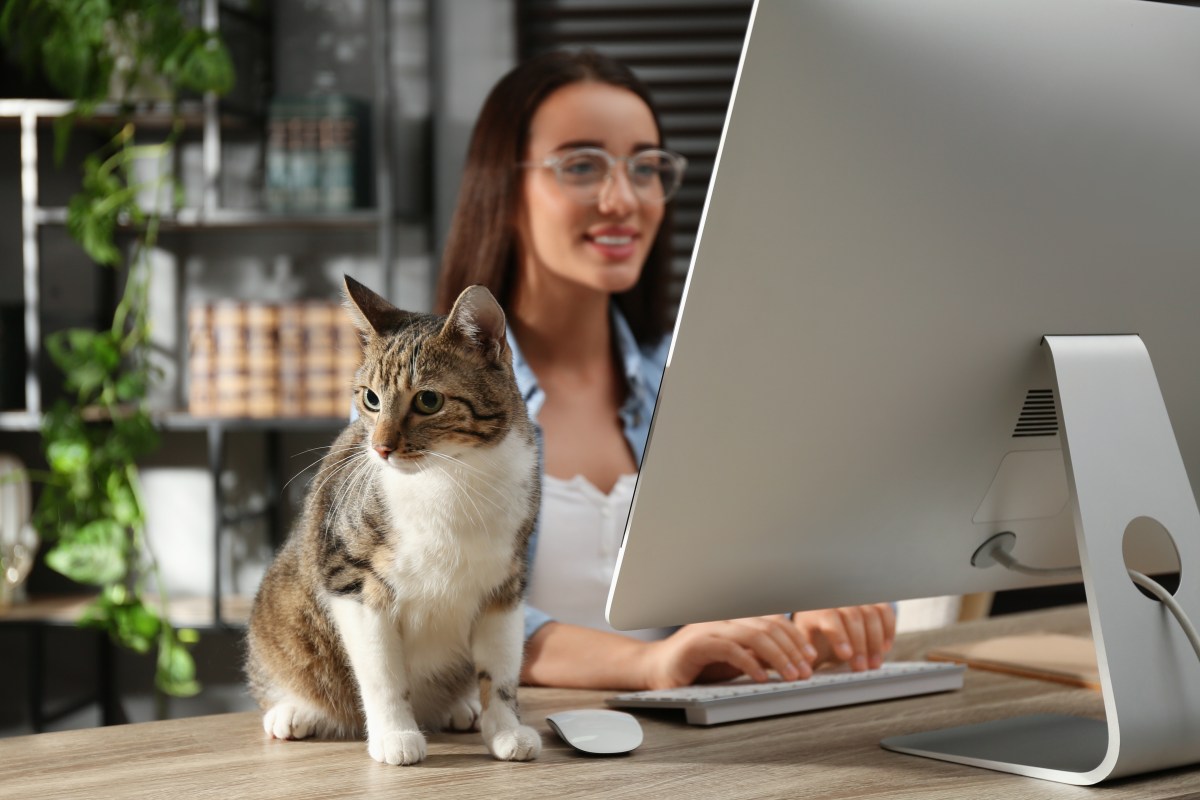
(267, 360)
(316, 155)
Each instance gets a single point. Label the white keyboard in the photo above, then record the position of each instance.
(715, 703)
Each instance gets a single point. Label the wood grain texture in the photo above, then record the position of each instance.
(833, 753)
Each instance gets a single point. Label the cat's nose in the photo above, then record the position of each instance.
(384, 451)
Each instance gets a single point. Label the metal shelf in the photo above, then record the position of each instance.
(20, 421)
(199, 219)
(153, 115)
(179, 421)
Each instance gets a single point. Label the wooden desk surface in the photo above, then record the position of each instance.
(821, 754)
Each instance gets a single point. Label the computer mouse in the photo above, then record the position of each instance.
(597, 731)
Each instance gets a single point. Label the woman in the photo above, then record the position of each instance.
(563, 214)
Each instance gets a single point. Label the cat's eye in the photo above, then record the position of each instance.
(370, 400)
(428, 402)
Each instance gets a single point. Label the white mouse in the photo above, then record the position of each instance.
(596, 730)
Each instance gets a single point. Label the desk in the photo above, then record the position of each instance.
(832, 753)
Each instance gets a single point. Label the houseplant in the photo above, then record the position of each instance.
(90, 511)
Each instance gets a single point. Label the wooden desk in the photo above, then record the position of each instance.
(822, 754)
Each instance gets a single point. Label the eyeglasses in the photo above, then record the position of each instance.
(585, 172)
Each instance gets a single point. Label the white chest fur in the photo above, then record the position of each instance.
(454, 530)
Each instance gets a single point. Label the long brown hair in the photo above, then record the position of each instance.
(481, 246)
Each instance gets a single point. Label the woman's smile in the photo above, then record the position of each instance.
(614, 242)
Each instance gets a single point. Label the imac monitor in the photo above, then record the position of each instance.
(946, 287)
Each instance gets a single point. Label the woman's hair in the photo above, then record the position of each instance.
(482, 244)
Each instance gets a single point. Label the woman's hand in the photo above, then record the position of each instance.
(716, 651)
(858, 635)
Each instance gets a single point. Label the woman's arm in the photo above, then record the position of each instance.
(571, 656)
(575, 657)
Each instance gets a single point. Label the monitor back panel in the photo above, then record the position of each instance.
(908, 196)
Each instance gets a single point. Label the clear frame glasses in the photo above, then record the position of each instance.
(584, 173)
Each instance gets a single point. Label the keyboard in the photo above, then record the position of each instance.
(712, 704)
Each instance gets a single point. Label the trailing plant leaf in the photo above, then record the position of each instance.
(95, 554)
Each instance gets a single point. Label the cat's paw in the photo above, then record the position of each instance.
(464, 715)
(289, 721)
(397, 747)
(516, 744)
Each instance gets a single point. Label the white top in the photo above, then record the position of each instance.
(580, 536)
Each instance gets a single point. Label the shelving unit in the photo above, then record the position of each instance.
(210, 118)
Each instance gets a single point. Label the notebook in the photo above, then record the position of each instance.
(1048, 656)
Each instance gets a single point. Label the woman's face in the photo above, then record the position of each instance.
(600, 246)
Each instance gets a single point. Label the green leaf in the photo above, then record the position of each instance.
(137, 434)
(137, 627)
(62, 136)
(123, 501)
(207, 68)
(68, 456)
(131, 386)
(176, 674)
(95, 554)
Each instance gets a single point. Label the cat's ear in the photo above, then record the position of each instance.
(478, 319)
(372, 315)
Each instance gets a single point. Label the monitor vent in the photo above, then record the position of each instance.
(1038, 416)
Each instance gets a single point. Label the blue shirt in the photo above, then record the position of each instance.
(643, 370)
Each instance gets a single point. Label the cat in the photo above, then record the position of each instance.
(397, 599)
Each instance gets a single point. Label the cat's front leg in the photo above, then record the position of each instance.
(377, 657)
(497, 646)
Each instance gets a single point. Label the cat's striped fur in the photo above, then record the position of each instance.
(396, 601)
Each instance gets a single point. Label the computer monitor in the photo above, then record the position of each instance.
(940, 240)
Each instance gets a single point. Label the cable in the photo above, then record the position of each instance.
(998, 550)
(1005, 559)
(1155, 588)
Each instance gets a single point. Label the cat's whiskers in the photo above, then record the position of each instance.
(479, 476)
(363, 460)
(462, 492)
(358, 475)
(425, 467)
(467, 491)
(310, 466)
(341, 465)
(324, 447)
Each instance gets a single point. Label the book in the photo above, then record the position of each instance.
(304, 167)
(262, 360)
(266, 360)
(1047, 656)
(201, 387)
(276, 158)
(322, 397)
(291, 360)
(230, 362)
(315, 154)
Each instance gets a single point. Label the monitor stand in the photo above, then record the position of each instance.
(1123, 462)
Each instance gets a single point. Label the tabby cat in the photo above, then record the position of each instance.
(396, 601)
